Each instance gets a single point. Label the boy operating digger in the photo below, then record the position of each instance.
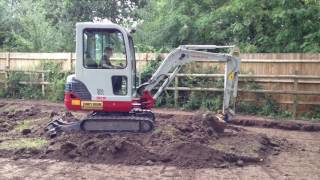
(105, 63)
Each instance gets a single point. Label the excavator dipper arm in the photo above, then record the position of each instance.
(189, 53)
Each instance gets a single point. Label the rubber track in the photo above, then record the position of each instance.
(117, 118)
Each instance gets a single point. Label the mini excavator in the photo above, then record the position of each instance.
(111, 93)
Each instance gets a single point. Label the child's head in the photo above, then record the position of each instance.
(108, 51)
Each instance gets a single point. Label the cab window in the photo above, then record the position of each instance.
(104, 49)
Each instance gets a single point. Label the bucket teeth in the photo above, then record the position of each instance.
(58, 125)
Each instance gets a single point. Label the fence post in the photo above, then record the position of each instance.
(7, 68)
(6, 76)
(139, 78)
(70, 61)
(42, 84)
(295, 96)
(8, 60)
(176, 92)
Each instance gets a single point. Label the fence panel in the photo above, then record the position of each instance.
(278, 72)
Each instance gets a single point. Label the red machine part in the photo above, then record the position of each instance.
(72, 102)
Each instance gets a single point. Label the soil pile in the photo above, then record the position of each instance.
(195, 141)
(198, 141)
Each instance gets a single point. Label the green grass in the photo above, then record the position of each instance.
(23, 125)
(23, 143)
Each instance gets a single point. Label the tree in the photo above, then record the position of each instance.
(256, 26)
(6, 22)
(46, 26)
(64, 15)
(34, 33)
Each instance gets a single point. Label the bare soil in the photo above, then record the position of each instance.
(196, 141)
(176, 141)
(181, 140)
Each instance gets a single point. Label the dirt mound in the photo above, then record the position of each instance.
(195, 141)
(114, 150)
(186, 154)
(199, 141)
(100, 148)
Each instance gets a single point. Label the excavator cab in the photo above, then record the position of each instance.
(105, 69)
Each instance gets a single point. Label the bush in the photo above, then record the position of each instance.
(213, 103)
(54, 92)
(165, 100)
(150, 69)
(57, 78)
(203, 100)
(314, 114)
(57, 90)
(247, 108)
(2, 93)
(267, 106)
(14, 87)
(18, 90)
(194, 102)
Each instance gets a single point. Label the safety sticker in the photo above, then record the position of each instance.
(231, 75)
(92, 105)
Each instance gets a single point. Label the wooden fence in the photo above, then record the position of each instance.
(40, 81)
(31, 61)
(295, 80)
(292, 79)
